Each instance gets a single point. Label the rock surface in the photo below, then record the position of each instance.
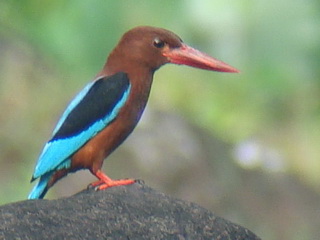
(126, 212)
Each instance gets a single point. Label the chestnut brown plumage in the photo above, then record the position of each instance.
(106, 111)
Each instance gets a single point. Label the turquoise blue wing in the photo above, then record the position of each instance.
(94, 108)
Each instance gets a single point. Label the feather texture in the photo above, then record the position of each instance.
(90, 112)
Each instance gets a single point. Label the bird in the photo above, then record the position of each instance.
(105, 112)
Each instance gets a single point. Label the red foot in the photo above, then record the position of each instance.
(96, 183)
(106, 182)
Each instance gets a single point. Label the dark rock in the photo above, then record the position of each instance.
(127, 212)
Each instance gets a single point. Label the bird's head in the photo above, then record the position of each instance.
(153, 47)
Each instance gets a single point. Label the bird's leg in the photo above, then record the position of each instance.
(100, 181)
(106, 182)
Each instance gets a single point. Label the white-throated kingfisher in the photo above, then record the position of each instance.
(106, 111)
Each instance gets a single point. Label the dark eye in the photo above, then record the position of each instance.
(158, 43)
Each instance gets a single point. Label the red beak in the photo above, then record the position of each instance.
(192, 57)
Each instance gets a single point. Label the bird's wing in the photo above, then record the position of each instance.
(94, 108)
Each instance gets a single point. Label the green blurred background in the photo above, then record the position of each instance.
(245, 146)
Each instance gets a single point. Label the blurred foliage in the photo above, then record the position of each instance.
(50, 49)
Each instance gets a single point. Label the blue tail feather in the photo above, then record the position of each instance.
(40, 189)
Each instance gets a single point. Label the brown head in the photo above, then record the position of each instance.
(150, 47)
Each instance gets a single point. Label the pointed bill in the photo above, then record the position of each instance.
(187, 55)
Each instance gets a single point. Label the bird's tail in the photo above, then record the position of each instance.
(41, 188)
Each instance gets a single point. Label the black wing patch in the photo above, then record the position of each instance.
(99, 101)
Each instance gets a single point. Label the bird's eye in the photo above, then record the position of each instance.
(158, 43)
